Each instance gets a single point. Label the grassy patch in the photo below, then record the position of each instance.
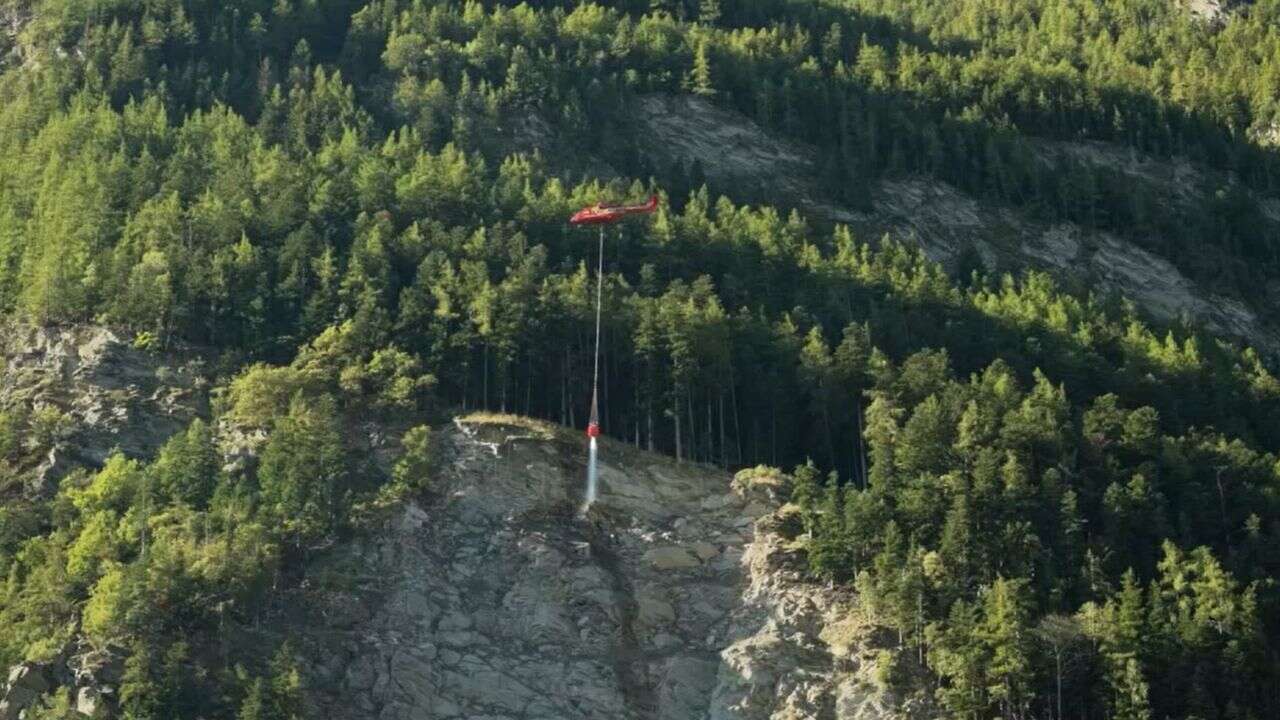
(541, 429)
(844, 634)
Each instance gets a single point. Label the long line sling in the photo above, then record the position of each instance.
(595, 379)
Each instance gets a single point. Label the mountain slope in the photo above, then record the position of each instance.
(679, 594)
(1040, 487)
(499, 599)
(740, 158)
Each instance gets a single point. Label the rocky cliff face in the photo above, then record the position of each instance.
(669, 598)
(94, 393)
(13, 18)
(736, 153)
(85, 392)
(495, 595)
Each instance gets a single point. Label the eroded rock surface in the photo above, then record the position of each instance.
(735, 152)
(97, 394)
(92, 675)
(501, 599)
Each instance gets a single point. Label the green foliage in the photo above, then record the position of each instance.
(276, 698)
(256, 704)
(154, 683)
(188, 466)
(1028, 479)
(700, 82)
(117, 487)
(54, 706)
(47, 426)
(967, 542)
(414, 467)
(391, 377)
(259, 395)
(106, 612)
(302, 477)
(10, 437)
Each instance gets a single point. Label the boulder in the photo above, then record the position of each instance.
(88, 701)
(103, 666)
(705, 550)
(672, 558)
(26, 683)
(652, 611)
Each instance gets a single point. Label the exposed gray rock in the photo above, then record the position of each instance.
(99, 394)
(672, 558)
(98, 666)
(502, 600)
(88, 701)
(25, 684)
(735, 152)
(1214, 11)
(500, 597)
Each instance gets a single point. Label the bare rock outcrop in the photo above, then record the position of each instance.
(90, 675)
(96, 393)
(734, 152)
(495, 595)
(25, 684)
(668, 598)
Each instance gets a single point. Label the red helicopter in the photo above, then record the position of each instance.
(602, 214)
(609, 213)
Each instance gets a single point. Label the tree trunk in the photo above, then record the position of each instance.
(861, 450)
(755, 441)
(635, 405)
(675, 412)
(826, 429)
(502, 387)
(1057, 661)
(737, 427)
(710, 451)
(773, 442)
(693, 428)
(724, 454)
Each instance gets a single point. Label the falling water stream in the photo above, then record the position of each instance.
(591, 477)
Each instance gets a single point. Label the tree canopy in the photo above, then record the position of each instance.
(1044, 493)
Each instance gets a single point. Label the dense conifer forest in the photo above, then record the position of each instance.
(1061, 508)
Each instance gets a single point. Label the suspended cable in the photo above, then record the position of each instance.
(595, 379)
(601, 214)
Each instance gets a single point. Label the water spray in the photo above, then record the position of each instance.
(593, 424)
(591, 476)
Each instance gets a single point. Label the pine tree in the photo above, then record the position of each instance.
(1129, 691)
(303, 468)
(188, 466)
(805, 492)
(1065, 642)
(286, 684)
(1005, 631)
(709, 12)
(700, 80)
(957, 656)
(833, 45)
(257, 703)
(828, 553)
(816, 367)
(957, 544)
